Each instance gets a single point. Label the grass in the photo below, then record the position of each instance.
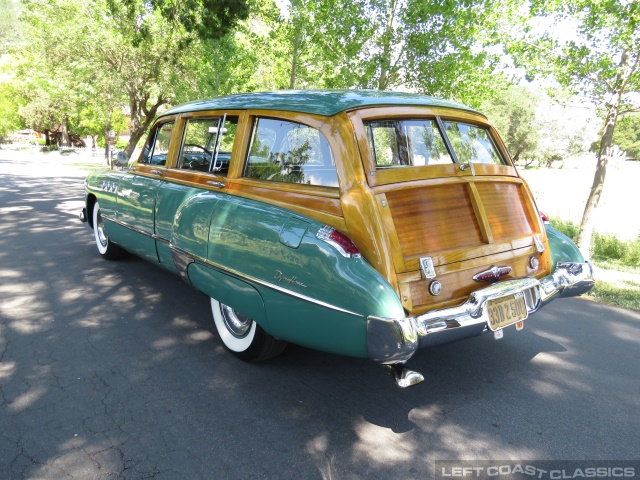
(611, 253)
(625, 294)
(608, 251)
(85, 166)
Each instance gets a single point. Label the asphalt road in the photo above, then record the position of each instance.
(114, 370)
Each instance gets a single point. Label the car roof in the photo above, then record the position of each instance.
(320, 102)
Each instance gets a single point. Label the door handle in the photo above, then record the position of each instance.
(216, 184)
(156, 172)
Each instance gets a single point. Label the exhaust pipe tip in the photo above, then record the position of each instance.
(403, 376)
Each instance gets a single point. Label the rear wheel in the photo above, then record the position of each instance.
(106, 247)
(242, 336)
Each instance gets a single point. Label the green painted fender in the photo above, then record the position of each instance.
(270, 264)
(562, 247)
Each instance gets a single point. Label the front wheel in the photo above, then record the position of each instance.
(242, 336)
(106, 247)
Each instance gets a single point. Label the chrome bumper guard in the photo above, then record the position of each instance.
(395, 340)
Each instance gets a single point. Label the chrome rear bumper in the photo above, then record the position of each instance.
(395, 340)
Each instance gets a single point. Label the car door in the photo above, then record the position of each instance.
(137, 194)
(183, 207)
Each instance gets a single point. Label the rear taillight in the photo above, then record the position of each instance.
(544, 218)
(339, 240)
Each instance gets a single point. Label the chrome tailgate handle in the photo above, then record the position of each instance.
(216, 184)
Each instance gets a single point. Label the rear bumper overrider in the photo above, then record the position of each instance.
(395, 340)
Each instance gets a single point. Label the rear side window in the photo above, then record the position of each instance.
(284, 151)
(420, 142)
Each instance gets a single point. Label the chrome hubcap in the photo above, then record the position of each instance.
(100, 229)
(237, 324)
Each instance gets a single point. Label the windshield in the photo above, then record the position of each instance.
(419, 142)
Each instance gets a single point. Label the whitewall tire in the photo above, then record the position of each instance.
(242, 336)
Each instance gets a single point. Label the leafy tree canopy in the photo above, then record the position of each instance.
(627, 136)
(590, 47)
(206, 19)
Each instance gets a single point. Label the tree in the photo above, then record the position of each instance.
(513, 114)
(429, 46)
(627, 136)
(9, 25)
(111, 53)
(599, 58)
(205, 19)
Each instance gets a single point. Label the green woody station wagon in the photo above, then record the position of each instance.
(362, 223)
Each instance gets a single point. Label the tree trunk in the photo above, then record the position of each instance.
(138, 110)
(107, 127)
(294, 61)
(47, 139)
(604, 154)
(64, 129)
(385, 60)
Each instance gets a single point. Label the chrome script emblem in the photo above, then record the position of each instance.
(492, 275)
(290, 280)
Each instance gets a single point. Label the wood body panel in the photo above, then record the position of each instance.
(504, 207)
(434, 219)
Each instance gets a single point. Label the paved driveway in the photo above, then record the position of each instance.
(113, 370)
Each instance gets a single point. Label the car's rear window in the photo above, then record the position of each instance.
(422, 142)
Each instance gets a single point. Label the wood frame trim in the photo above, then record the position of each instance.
(377, 177)
(481, 214)
(392, 234)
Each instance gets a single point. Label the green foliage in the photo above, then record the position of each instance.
(610, 248)
(591, 48)
(625, 295)
(513, 114)
(207, 19)
(607, 248)
(430, 46)
(569, 228)
(627, 136)
(10, 102)
(9, 24)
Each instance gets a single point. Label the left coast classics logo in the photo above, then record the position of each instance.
(281, 278)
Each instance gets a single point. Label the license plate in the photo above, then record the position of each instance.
(506, 310)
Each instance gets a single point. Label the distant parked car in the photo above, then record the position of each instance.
(362, 223)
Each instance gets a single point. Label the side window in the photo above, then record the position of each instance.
(207, 144)
(284, 151)
(157, 147)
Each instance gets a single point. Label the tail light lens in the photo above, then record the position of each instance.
(544, 218)
(339, 240)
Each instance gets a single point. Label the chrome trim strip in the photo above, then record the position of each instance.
(182, 265)
(393, 340)
(182, 262)
(137, 230)
(128, 226)
(271, 286)
(162, 240)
